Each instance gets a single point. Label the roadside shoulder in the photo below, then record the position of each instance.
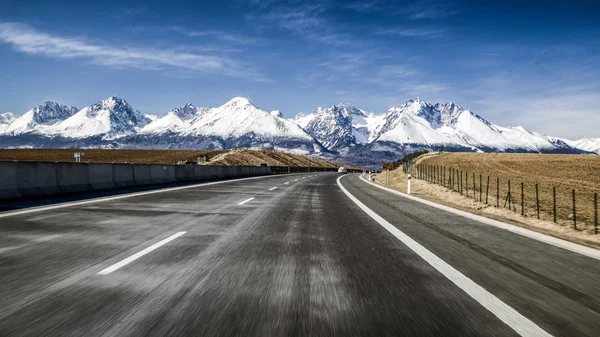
(574, 247)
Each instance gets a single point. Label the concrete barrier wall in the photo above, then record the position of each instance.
(37, 179)
(123, 175)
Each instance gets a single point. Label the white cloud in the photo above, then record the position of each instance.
(28, 40)
(429, 9)
(221, 35)
(373, 6)
(413, 32)
(306, 20)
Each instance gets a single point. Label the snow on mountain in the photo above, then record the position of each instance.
(333, 127)
(340, 132)
(240, 121)
(414, 122)
(111, 117)
(5, 119)
(303, 119)
(172, 121)
(585, 144)
(450, 125)
(340, 126)
(39, 118)
(240, 117)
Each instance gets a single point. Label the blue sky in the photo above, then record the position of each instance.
(530, 63)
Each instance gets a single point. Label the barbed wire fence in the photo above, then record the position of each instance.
(563, 205)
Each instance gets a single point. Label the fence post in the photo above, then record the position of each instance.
(596, 213)
(522, 199)
(480, 188)
(508, 196)
(537, 201)
(474, 188)
(445, 183)
(454, 179)
(460, 184)
(497, 192)
(487, 190)
(554, 201)
(574, 212)
(467, 182)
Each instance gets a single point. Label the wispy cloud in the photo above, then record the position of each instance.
(304, 19)
(396, 71)
(414, 32)
(556, 96)
(429, 9)
(414, 10)
(28, 40)
(221, 35)
(373, 6)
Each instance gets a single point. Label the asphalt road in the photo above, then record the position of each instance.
(279, 256)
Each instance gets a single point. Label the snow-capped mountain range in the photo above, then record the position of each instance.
(340, 132)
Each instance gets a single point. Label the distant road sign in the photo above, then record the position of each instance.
(78, 156)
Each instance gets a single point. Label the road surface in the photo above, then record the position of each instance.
(283, 256)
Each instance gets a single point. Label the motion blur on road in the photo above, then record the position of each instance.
(315, 254)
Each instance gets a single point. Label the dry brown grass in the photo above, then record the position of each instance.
(272, 158)
(228, 158)
(105, 155)
(565, 172)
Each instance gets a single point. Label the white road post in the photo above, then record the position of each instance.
(408, 184)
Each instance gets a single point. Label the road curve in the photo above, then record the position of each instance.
(279, 256)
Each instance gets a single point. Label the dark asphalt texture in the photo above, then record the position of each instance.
(300, 260)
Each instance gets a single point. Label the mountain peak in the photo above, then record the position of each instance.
(114, 99)
(112, 102)
(417, 99)
(185, 112)
(51, 112)
(239, 101)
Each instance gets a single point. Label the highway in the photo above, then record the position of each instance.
(288, 255)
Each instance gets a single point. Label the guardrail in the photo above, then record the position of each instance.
(20, 179)
(24, 179)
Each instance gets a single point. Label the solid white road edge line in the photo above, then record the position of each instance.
(139, 254)
(122, 196)
(286, 183)
(570, 246)
(522, 325)
(273, 188)
(245, 201)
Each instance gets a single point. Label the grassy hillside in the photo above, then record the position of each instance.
(218, 157)
(272, 158)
